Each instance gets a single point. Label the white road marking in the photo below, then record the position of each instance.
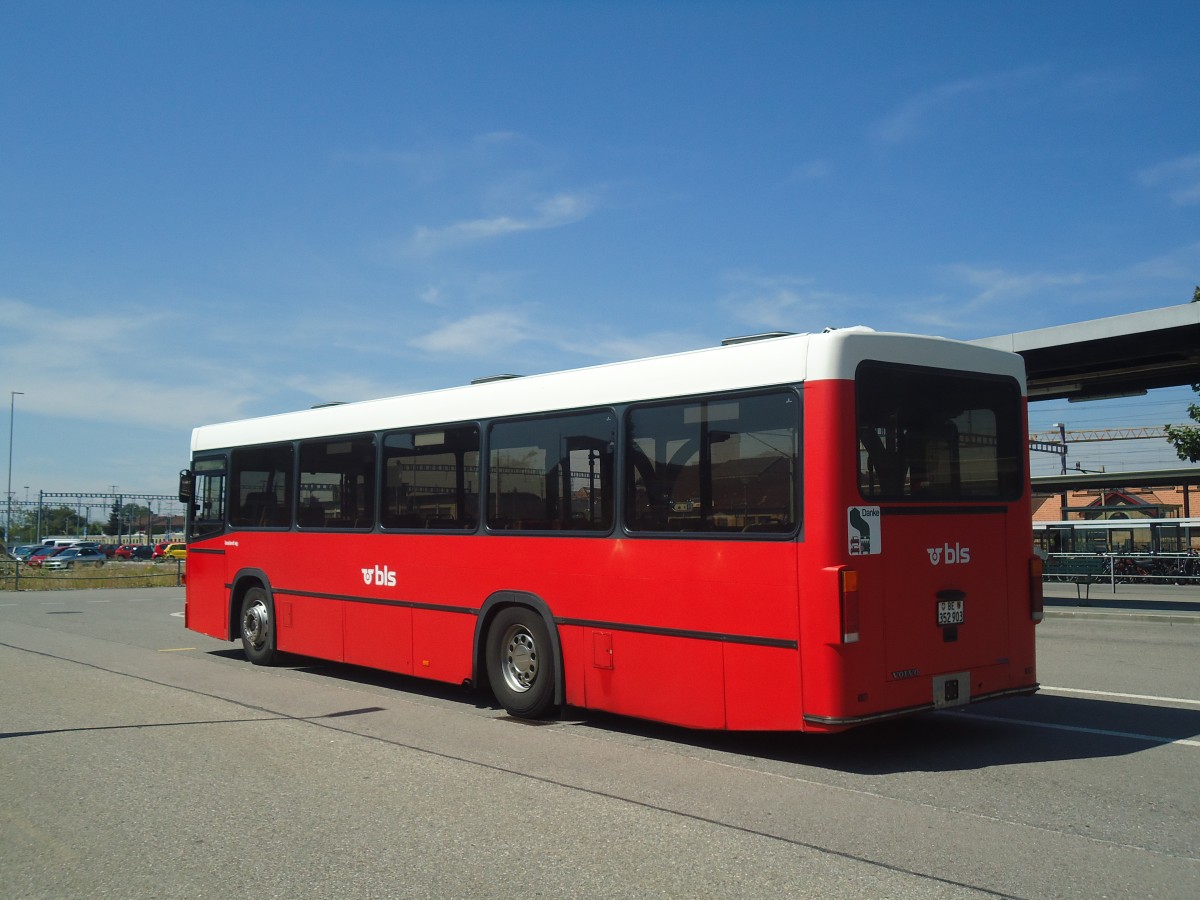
(1148, 738)
(1181, 701)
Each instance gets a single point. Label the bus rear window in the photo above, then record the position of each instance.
(937, 435)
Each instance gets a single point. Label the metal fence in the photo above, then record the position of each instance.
(1126, 568)
(16, 576)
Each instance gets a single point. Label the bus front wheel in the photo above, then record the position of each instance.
(520, 663)
(257, 627)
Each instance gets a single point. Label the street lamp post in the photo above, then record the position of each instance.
(12, 407)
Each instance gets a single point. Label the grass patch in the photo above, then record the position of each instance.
(110, 575)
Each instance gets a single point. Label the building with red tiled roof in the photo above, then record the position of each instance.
(1114, 503)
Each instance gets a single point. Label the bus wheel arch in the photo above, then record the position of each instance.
(518, 655)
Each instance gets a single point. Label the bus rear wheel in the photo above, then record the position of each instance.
(257, 627)
(520, 663)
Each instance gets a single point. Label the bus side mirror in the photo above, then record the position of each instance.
(187, 486)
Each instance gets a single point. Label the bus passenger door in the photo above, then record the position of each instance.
(206, 608)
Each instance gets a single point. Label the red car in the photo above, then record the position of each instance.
(41, 554)
(132, 551)
(159, 548)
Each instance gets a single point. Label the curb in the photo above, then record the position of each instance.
(1166, 618)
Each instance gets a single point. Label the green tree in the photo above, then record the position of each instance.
(1186, 438)
(128, 519)
(24, 527)
(114, 518)
(62, 520)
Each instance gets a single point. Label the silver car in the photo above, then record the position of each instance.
(75, 556)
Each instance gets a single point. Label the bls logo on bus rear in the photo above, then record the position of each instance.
(384, 577)
(956, 555)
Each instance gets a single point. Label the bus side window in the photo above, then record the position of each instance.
(337, 483)
(725, 464)
(552, 474)
(431, 479)
(260, 487)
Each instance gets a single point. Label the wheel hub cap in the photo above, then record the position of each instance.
(520, 660)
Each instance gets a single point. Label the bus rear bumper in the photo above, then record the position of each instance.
(838, 723)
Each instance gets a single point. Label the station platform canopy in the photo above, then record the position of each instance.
(1119, 356)
(1084, 481)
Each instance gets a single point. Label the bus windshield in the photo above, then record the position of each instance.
(937, 435)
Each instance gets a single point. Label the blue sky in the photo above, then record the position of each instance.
(212, 210)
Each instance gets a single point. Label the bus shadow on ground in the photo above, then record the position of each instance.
(1017, 731)
(391, 681)
(1007, 732)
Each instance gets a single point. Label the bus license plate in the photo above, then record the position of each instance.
(950, 612)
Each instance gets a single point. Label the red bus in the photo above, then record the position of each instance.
(799, 532)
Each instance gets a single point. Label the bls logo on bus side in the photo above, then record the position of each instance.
(950, 556)
(384, 577)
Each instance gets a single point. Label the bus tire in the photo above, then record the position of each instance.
(256, 626)
(520, 662)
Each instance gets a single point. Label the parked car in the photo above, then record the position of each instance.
(75, 556)
(175, 551)
(158, 549)
(21, 553)
(41, 554)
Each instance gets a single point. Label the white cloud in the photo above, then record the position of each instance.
(120, 364)
(985, 299)
(981, 299)
(994, 285)
(908, 120)
(1179, 177)
(605, 348)
(783, 303)
(337, 387)
(813, 170)
(482, 334)
(544, 347)
(553, 212)
(431, 295)
(1179, 265)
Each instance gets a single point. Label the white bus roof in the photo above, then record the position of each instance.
(786, 359)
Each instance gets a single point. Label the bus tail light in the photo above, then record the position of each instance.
(1036, 598)
(848, 588)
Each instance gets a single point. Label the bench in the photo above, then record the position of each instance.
(1080, 570)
